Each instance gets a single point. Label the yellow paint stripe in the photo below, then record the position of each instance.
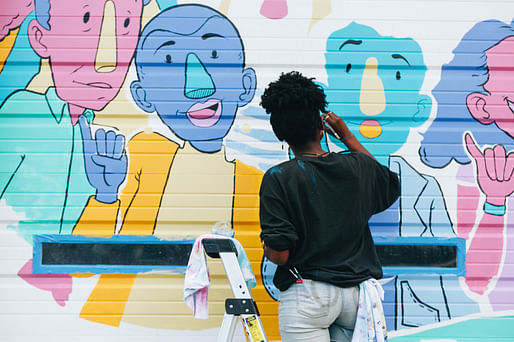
(247, 229)
(320, 9)
(224, 6)
(106, 303)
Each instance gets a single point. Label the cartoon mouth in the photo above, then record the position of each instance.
(205, 114)
(101, 85)
(370, 129)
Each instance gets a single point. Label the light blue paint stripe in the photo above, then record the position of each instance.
(163, 4)
(263, 135)
(471, 330)
(39, 268)
(498, 210)
(246, 148)
(459, 270)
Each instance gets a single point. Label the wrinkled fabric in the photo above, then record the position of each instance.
(315, 311)
(196, 282)
(370, 325)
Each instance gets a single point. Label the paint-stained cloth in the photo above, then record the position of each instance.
(196, 282)
(370, 325)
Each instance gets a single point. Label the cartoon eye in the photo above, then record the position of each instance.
(214, 54)
(85, 19)
(126, 22)
(398, 75)
(348, 67)
(168, 59)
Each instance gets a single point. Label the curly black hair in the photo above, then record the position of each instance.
(294, 102)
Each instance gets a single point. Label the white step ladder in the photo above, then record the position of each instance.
(243, 304)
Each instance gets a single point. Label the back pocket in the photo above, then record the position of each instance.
(313, 299)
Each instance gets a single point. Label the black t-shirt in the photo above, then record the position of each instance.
(318, 208)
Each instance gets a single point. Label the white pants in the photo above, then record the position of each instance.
(316, 311)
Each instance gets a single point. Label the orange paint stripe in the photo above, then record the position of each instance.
(6, 45)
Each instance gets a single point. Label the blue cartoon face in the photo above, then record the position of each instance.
(190, 63)
(373, 84)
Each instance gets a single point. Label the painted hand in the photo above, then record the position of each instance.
(105, 160)
(494, 171)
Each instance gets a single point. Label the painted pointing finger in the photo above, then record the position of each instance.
(87, 139)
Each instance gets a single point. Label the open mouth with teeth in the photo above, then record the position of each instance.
(205, 114)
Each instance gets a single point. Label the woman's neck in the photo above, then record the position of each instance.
(311, 149)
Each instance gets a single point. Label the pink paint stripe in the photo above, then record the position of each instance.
(274, 9)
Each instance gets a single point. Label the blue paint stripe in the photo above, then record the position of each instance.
(459, 243)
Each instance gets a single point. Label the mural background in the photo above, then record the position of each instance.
(277, 36)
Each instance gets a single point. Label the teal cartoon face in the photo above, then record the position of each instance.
(373, 84)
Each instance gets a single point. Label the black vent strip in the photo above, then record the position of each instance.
(177, 254)
(403, 255)
(136, 254)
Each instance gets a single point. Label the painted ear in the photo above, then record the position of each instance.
(424, 106)
(139, 95)
(249, 81)
(37, 35)
(477, 103)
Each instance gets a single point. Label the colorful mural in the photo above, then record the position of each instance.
(140, 121)
(381, 79)
(476, 122)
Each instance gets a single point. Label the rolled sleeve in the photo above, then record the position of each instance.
(386, 188)
(277, 232)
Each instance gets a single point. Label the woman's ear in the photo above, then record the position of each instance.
(477, 106)
(37, 39)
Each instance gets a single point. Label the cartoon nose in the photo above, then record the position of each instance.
(105, 60)
(372, 96)
(199, 83)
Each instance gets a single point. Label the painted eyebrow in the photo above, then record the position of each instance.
(398, 56)
(351, 41)
(167, 43)
(211, 35)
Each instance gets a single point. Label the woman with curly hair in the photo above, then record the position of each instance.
(314, 212)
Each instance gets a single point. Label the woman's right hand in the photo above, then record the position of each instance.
(336, 123)
(345, 135)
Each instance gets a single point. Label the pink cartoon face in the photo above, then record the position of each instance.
(497, 106)
(90, 51)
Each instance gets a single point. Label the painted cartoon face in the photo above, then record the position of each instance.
(499, 103)
(373, 84)
(190, 63)
(91, 50)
